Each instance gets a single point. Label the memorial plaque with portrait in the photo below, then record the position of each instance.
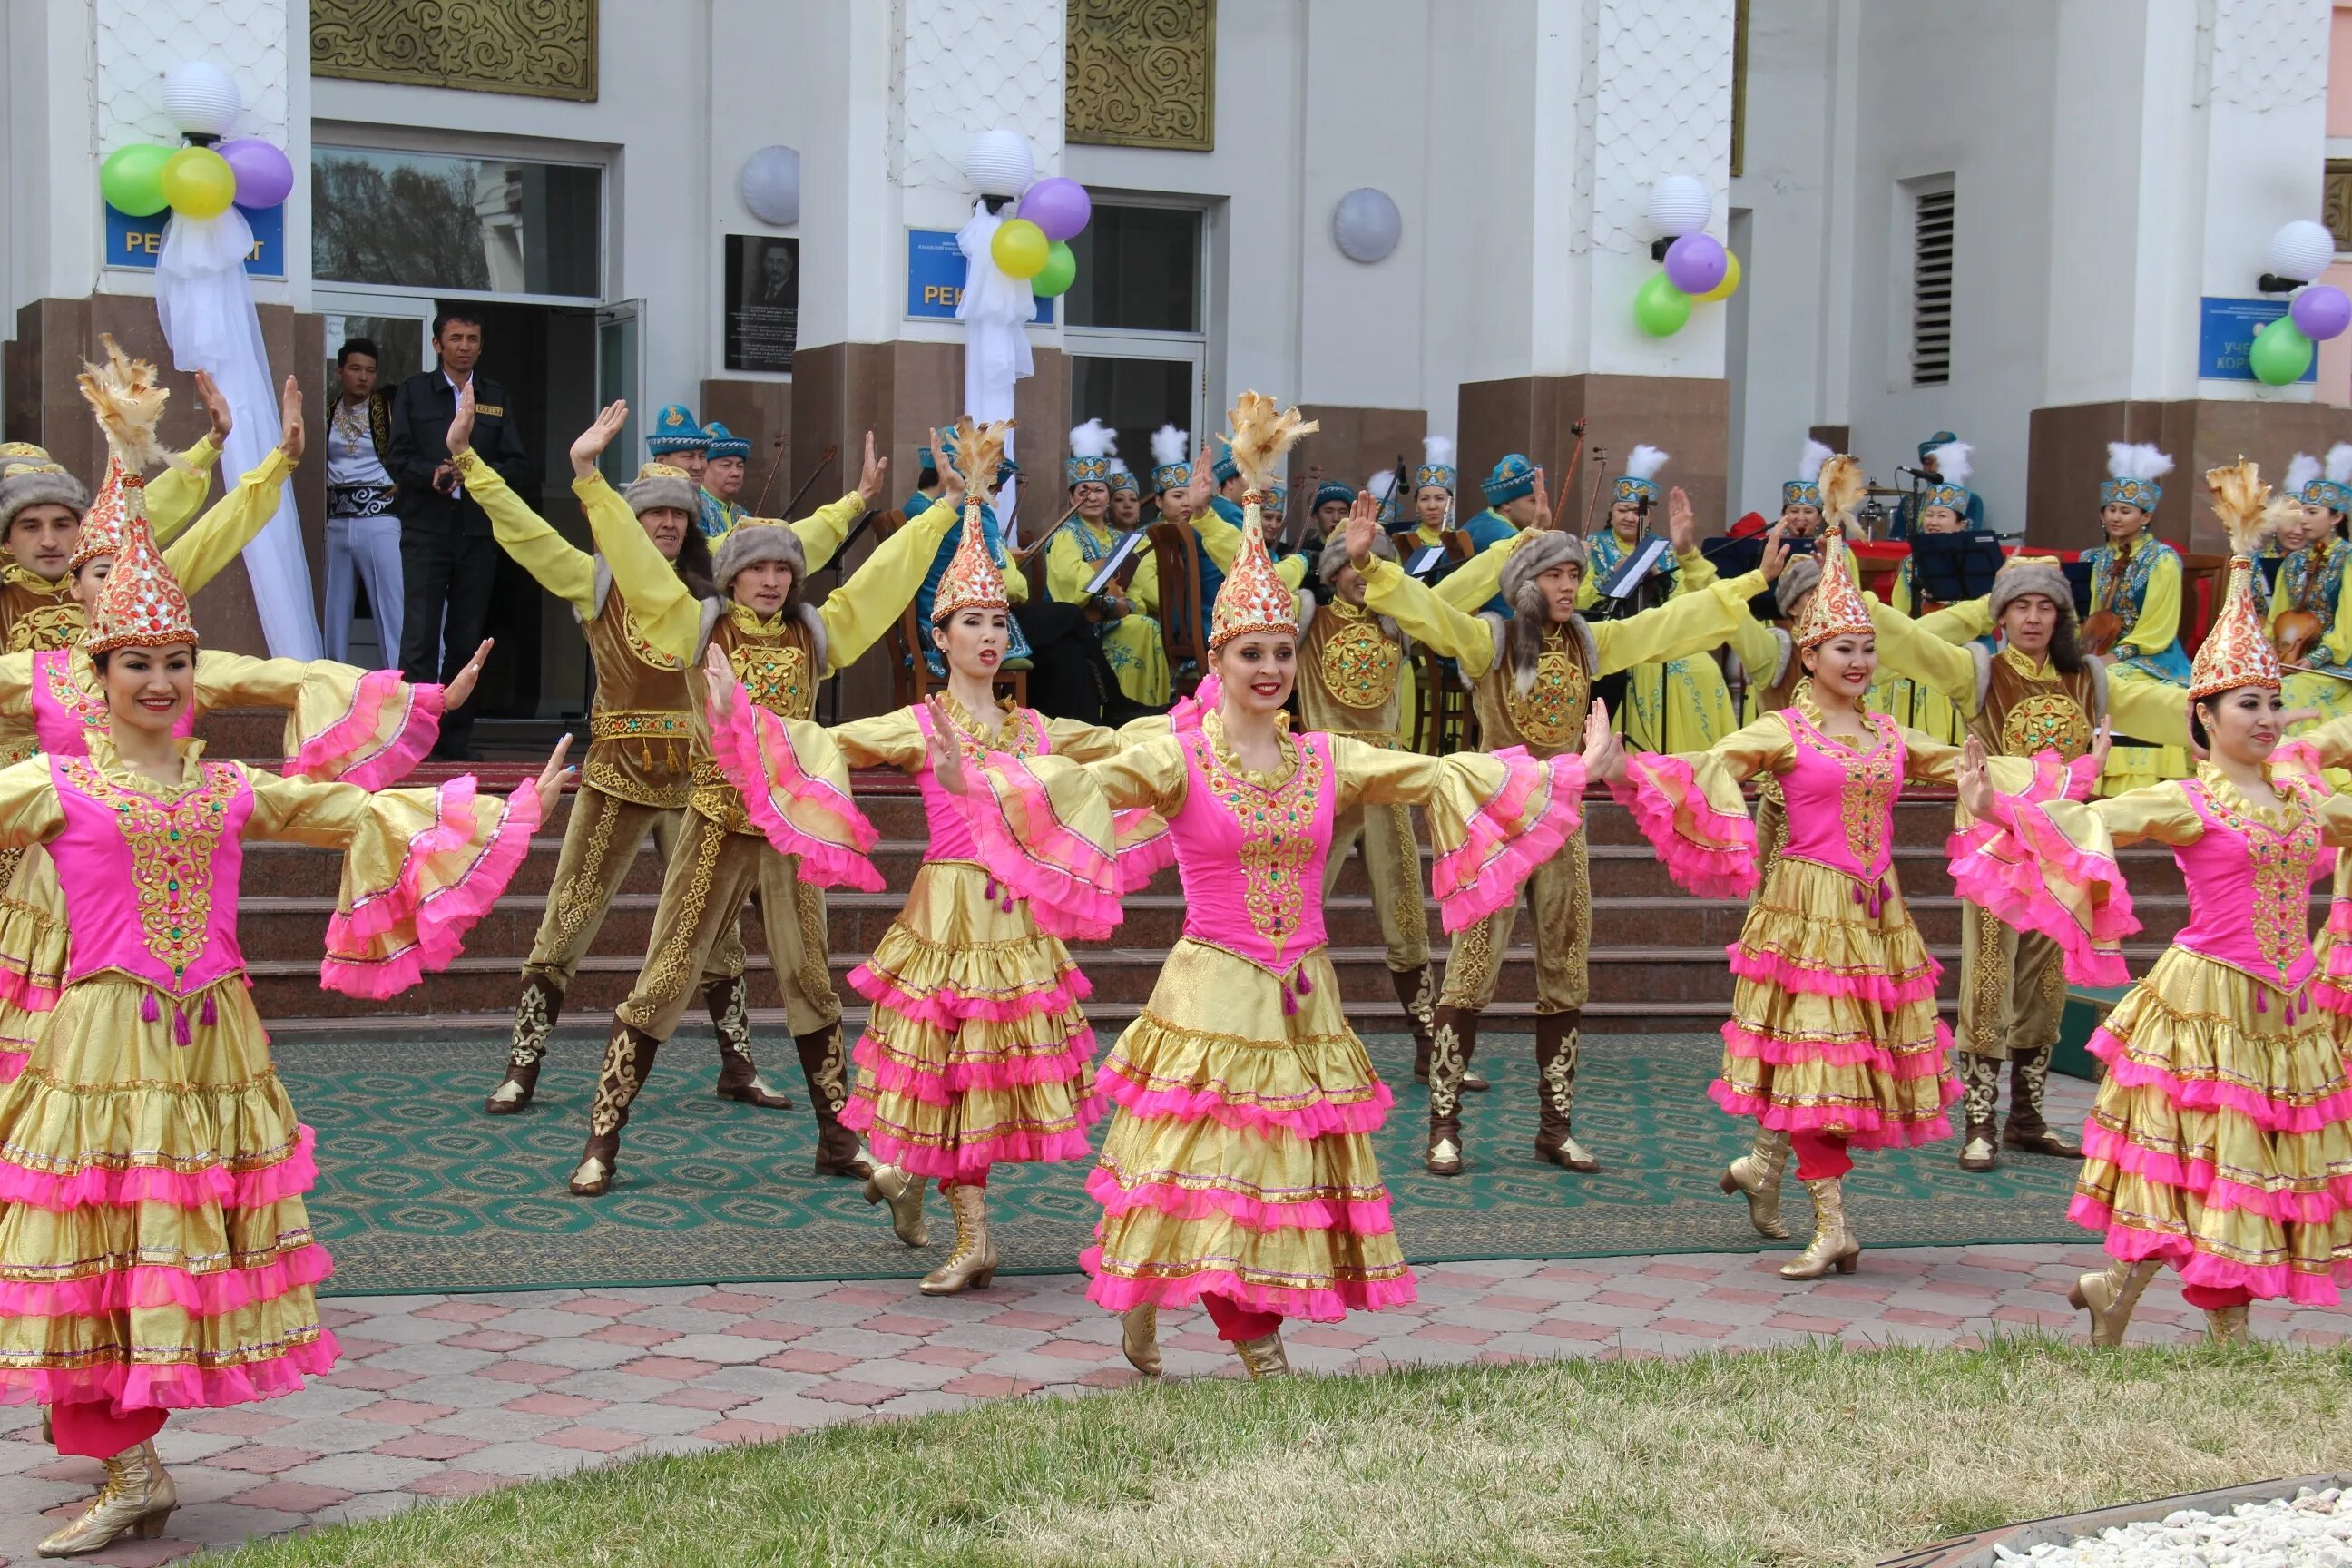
(763, 301)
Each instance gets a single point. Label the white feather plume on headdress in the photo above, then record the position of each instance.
(1437, 451)
(2302, 471)
(2137, 460)
(1119, 466)
(1170, 444)
(1382, 484)
(1808, 466)
(1954, 462)
(1643, 462)
(2339, 462)
(1093, 439)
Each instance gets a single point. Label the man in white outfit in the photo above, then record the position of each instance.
(362, 532)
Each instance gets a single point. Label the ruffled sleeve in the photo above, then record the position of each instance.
(1493, 818)
(795, 787)
(420, 866)
(1690, 807)
(2051, 869)
(1048, 830)
(366, 727)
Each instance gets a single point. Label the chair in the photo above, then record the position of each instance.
(2201, 577)
(1441, 699)
(1176, 550)
(911, 679)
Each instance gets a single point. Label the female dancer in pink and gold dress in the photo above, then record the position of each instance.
(1239, 1171)
(155, 1251)
(2221, 1140)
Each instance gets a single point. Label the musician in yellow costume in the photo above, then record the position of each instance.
(1671, 705)
(1944, 507)
(2307, 620)
(1127, 618)
(2136, 592)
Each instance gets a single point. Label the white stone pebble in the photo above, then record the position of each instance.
(2310, 1529)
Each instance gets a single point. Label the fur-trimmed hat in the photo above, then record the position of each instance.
(1335, 555)
(2022, 575)
(1535, 555)
(35, 484)
(659, 485)
(1799, 577)
(747, 544)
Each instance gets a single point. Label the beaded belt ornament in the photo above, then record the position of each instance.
(645, 726)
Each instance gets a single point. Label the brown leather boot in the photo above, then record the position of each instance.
(730, 1002)
(1453, 1036)
(628, 1062)
(534, 1020)
(1980, 1083)
(2028, 1078)
(839, 1151)
(1417, 994)
(1558, 1038)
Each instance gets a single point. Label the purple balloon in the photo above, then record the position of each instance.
(265, 175)
(1697, 263)
(2321, 312)
(1058, 205)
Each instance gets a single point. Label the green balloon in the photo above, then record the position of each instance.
(132, 179)
(2281, 354)
(1661, 309)
(1061, 270)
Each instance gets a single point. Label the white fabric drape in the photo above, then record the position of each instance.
(205, 303)
(995, 311)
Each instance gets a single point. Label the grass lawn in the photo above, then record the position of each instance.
(1815, 1455)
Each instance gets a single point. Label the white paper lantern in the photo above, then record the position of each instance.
(771, 184)
(1680, 204)
(999, 164)
(1366, 224)
(201, 98)
(2301, 250)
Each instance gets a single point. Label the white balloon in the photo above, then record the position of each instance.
(999, 164)
(1680, 204)
(201, 98)
(770, 185)
(2301, 250)
(1366, 224)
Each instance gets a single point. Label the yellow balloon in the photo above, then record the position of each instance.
(1020, 248)
(1730, 284)
(198, 183)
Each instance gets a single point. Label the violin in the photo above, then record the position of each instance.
(2299, 627)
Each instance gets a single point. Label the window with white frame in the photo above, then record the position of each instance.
(451, 222)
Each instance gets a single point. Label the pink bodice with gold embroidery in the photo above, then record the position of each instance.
(64, 714)
(2250, 886)
(943, 815)
(1251, 857)
(1841, 801)
(150, 880)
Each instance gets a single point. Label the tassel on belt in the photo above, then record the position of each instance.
(645, 726)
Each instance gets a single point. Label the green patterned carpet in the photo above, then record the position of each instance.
(421, 1192)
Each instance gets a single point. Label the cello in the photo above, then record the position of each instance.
(2103, 627)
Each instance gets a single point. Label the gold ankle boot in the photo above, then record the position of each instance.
(1834, 1245)
(2226, 1326)
(972, 1265)
(1263, 1357)
(903, 1191)
(1756, 1173)
(1138, 1338)
(136, 1499)
(2109, 1297)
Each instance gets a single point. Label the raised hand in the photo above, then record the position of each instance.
(461, 424)
(872, 473)
(1974, 786)
(1776, 552)
(550, 779)
(1604, 750)
(1363, 526)
(216, 409)
(1542, 498)
(290, 419)
(719, 676)
(947, 757)
(592, 442)
(461, 685)
(1681, 524)
(2105, 743)
(1201, 486)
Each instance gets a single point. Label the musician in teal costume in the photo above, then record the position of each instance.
(728, 454)
(1906, 519)
(2136, 577)
(1017, 652)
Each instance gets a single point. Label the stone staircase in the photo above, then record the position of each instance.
(1656, 955)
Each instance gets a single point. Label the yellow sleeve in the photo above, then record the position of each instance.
(1693, 571)
(29, 811)
(2160, 813)
(1144, 587)
(1067, 571)
(1757, 648)
(1588, 592)
(1906, 650)
(1082, 743)
(2338, 641)
(17, 688)
(1677, 628)
(665, 609)
(2332, 739)
(1016, 581)
(1148, 776)
(203, 551)
(2155, 711)
(1690, 806)
(2335, 821)
(2158, 626)
(1220, 542)
(822, 531)
(1469, 586)
(1466, 638)
(174, 495)
(892, 739)
(858, 611)
(564, 571)
(1963, 622)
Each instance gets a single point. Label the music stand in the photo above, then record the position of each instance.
(1735, 555)
(1953, 568)
(2268, 566)
(2078, 577)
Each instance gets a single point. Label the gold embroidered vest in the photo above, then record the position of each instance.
(36, 615)
(2024, 712)
(776, 662)
(1548, 718)
(1353, 680)
(641, 728)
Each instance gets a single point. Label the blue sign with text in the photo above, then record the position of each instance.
(137, 241)
(935, 275)
(2225, 333)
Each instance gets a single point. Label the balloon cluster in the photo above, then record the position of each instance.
(201, 180)
(2282, 351)
(1698, 267)
(1035, 244)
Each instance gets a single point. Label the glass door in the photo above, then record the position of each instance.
(617, 376)
(401, 329)
(1138, 348)
(1135, 384)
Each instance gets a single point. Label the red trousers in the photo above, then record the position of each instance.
(2213, 1297)
(95, 1431)
(1236, 1323)
(1819, 1157)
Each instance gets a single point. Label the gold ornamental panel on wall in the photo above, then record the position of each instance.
(2336, 202)
(1142, 73)
(534, 48)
